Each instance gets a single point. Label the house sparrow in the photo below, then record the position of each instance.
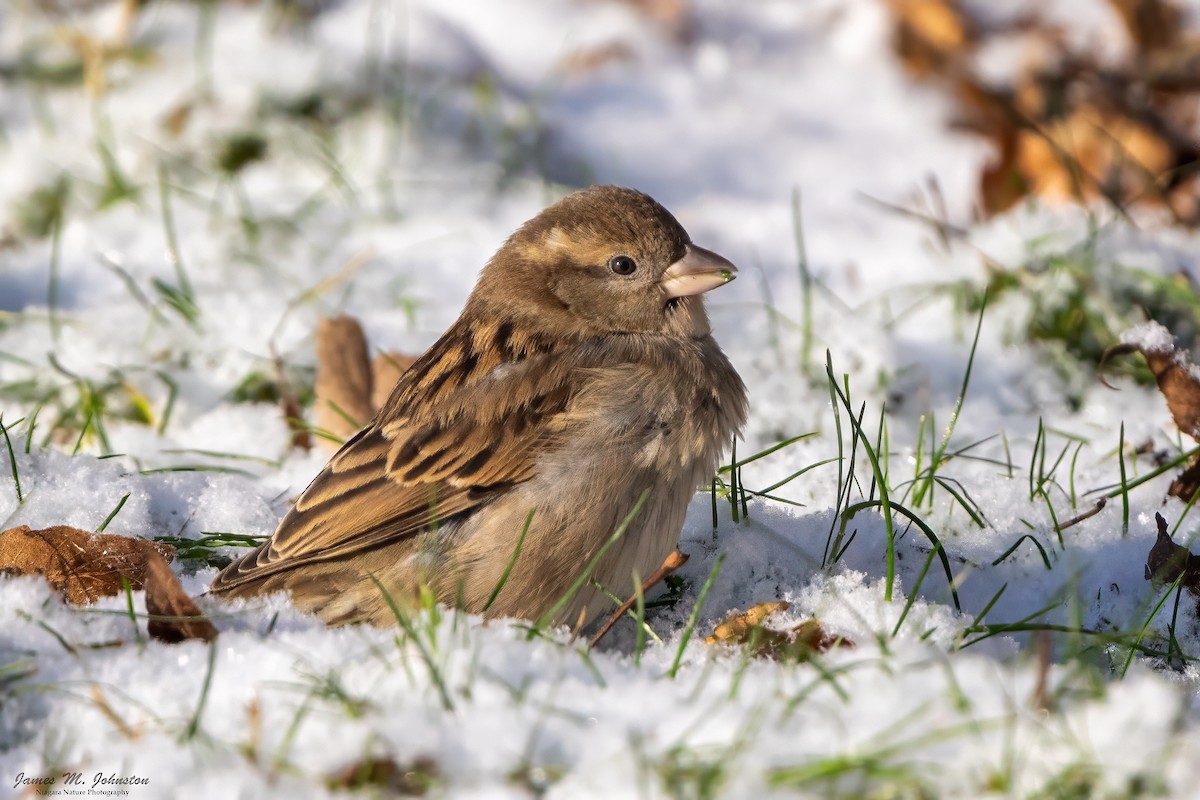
(580, 374)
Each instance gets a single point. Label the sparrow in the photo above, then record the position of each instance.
(580, 388)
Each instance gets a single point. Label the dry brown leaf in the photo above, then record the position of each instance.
(343, 377)
(174, 617)
(1186, 484)
(1072, 158)
(1184, 198)
(1069, 128)
(811, 634)
(1167, 561)
(929, 34)
(1001, 184)
(81, 566)
(348, 380)
(798, 642)
(1152, 24)
(737, 625)
(1177, 379)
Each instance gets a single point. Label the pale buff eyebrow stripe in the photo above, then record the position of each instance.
(557, 239)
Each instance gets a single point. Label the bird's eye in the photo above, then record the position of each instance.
(622, 265)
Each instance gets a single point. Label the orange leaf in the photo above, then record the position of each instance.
(799, 642)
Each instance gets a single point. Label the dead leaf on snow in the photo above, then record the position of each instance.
(1167, 561)
(930, 34)
(350, 386)
(1186, 484)
(343, 388)
(1179, 381)
(1065, 125)
(799, 642)
(174, 616)
(1152, 24)
(81, 566)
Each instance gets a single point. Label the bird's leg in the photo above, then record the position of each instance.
(673, 562)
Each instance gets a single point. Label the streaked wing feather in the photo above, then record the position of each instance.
(400, 475)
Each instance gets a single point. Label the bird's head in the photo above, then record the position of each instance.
(600, 261)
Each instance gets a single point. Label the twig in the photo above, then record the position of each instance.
(1091, 512)
(673, 562)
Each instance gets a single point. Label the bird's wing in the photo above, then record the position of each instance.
(440, 448)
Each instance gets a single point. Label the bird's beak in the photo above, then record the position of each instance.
(698, 271)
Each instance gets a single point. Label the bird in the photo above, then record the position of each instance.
(564, 420)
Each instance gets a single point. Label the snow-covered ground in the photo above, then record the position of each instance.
(280, 162)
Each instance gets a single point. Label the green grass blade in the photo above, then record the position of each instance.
(695, 615)
(511, 563)
(112, 515)
(557, 608)
(12, 461)
(435, 674)
(1017, 543)
(884, 500)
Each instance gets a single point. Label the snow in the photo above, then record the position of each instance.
(455, 122)
(1150, 337)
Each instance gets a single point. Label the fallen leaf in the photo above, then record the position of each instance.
(1167, 561)
(1001, 184)
(350, 387)
(737, 626)
(1077, 156)
(799, 642)
(930, 34)
(1178, 379)
(1186, 484)
(1064, 125)
(81, 566)
(811, 634)
(1152, 24)
(174, 617)
(344, 381)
